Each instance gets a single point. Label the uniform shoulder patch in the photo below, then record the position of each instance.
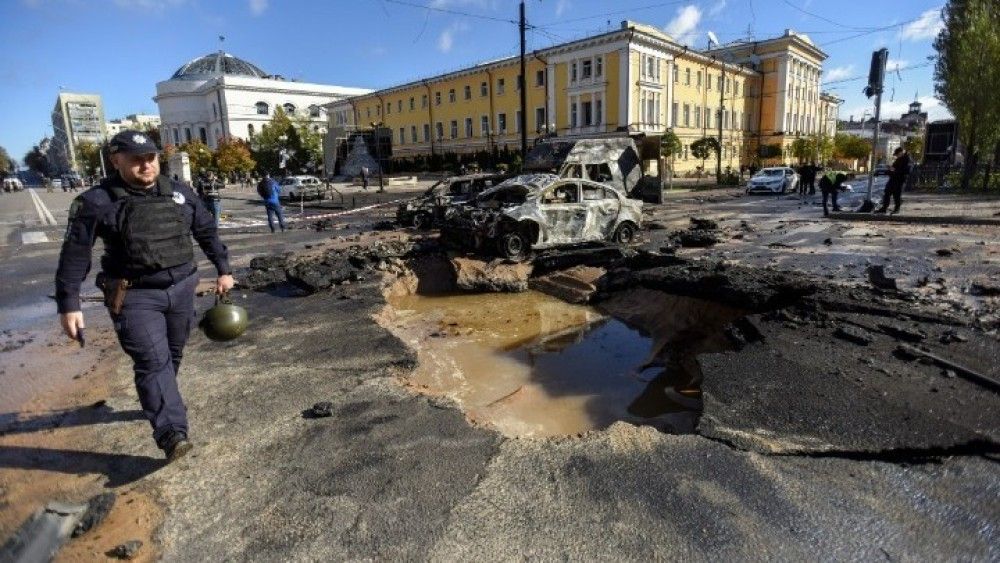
(178, 198)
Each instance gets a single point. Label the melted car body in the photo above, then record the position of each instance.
(542, 211)
(429, 209)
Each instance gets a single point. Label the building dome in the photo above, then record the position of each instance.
(218, 64)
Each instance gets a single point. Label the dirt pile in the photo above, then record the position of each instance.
(495, 276)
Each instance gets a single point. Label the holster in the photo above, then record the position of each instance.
(114, 293)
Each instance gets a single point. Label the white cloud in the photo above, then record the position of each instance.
(683, 28)
(446, 40)
(717, 8)
(561, 7)
(257, 7)
(892, 65)
(926, 27)
(838, 73)
(892, 110)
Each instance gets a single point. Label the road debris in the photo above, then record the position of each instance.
(126, 551)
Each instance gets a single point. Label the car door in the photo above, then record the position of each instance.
(564, 216)
(602, 208)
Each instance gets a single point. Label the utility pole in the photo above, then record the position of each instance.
(722, 110)
(876, 78)
(522, 81)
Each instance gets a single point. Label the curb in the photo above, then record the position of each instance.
(914, 219)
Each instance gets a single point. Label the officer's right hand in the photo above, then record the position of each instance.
(71, 323)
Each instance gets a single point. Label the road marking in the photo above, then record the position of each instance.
(33, 237)
(44, 215)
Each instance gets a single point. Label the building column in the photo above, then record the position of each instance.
(670, 92)
(550, 97)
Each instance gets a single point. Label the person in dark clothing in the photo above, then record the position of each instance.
(830, 185)
(208, 189)
(364, 178)
(148, 273)
(270, 192)
(898, 172)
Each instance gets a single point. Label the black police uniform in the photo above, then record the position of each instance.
(147, 241)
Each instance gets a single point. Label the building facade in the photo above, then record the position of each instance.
(139, 121)
(220, 96)
(635, 79)
(76, 118)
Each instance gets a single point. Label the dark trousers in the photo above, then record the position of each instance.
(274, 211)
(153, 328)
(894, 190)
(215, 206)
(832, 195)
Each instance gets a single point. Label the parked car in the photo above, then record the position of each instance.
(12, 185)
(429, 209)
(57, 183)
(609, 160)
(294, 188)
(542, 211)
(881, 170)
(774, 180)
(71, 180)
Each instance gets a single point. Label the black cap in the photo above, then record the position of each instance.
(131, 141)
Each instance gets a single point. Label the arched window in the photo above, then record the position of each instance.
(313, 111)
(289, 109)
(263, 108)
(250, 129)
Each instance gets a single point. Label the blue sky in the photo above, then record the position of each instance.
(121, 48)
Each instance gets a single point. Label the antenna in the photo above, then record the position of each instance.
(712, 39)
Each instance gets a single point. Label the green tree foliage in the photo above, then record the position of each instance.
(704, 147)
(304, 145)
(966, 74)
(88, 157)
(915, 146)
(200, 157)
(233, 155)
(824, 147)
(6, 167)
(670, 144)
(850, 147)
(803, 149)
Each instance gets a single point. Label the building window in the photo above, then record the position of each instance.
(313, 111)
(412, 106)
(673, 114)
(402, 135)
(468, 92)
(687, 115)
(289, 109)
(177, 137)
(539, 119)
(368, 112)
(572, 113)
(502, 123)
(215, 111)
(451, 96)
(388, 108)
(736, 88)
(500, 86)
(517, 83)
(517, 121)
(484, 89)
(720, 83)
(598, 111)
(399, 106)
(437, 98)
(484, 125)
(187, 134)
(427, 132)
(687, 77)
(203, 135)
(698, 80)
(587, 108)
(540, 78)
(468, 127)
(708, 117)
(423, 101)
(587, 69)
(599, 67)
(413, 133)
(454, 129)
(262, 108)
(572, 72)
(439, 130)
(697, 116)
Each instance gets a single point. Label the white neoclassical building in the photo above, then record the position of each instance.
(220, 96)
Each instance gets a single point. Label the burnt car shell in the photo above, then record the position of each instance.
(429, 209)
(542, 211)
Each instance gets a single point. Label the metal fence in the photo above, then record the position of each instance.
(946, 177)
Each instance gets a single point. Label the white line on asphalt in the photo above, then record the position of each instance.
(43, 212)
(33, 237)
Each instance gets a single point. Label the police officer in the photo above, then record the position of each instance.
(148, 273)
(830, 184)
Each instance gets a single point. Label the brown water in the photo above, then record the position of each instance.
(532, 365)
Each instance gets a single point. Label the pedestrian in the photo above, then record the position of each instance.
(830, 185)
(208, 189)
(148, 274)
(364, 178)
(898, 172)
(269, 190)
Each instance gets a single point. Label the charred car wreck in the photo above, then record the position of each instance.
(428, 210)
(542, 211)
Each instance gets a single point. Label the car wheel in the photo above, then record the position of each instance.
(513, 246)
(421, 221)
(624, 234)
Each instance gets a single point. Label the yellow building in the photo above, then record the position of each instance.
(636, 78)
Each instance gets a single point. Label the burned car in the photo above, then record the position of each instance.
(542, 211)
(428, 209)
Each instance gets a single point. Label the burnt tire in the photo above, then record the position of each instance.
(421, 221)
(624, 234)
(513, 246)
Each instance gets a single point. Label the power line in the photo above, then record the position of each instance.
(827, 20)
(612, 13)
(450, 11)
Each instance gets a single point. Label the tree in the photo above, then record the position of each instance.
(199, 156)
(704, 147)
(824, 147)
(670, 145)
(915, 146)
(803, 149)
(851, 147)
(966, 74)
(88, 157)
(6, 167)
(233, 155)
(304, 145)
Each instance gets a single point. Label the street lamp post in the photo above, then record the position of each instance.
(378, 153)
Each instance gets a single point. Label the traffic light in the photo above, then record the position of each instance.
(876, 74)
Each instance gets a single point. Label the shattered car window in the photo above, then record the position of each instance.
(511, 194)
(563, 193)
(599, 172)
(592, 193)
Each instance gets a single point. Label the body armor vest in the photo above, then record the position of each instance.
(154, 232)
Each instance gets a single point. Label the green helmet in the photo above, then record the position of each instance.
(224, 321)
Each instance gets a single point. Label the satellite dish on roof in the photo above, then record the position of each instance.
(712, 39)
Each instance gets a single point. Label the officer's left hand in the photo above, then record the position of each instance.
(224, 284)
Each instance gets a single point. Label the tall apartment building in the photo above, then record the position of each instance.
(75, 118)
(636, 79)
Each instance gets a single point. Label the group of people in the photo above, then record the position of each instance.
(830, 183)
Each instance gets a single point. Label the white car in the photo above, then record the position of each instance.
(775, 180)
(294, 188)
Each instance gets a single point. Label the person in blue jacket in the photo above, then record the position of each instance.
(270, 192)
(148, 273)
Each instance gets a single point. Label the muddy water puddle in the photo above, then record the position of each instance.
(532, 365)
